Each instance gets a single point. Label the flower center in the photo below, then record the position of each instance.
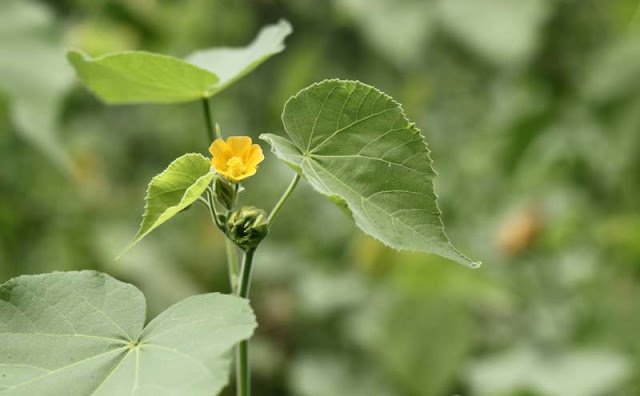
(235, 166)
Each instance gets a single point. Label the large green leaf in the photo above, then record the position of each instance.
(82, 333)
(172, 191)
(142, 77)
(354, 144)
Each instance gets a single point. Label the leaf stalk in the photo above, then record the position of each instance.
(283, 198)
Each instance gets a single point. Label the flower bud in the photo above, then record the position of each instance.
(224, 193)
(247, 226)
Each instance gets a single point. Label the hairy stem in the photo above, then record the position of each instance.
(284, 198)
(242, 353)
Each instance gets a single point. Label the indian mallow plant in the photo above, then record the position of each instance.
(84, 333)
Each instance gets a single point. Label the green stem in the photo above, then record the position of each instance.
(242, 369)
(232, 263)
(284, 198)
(207, 119)
(245, 273)
(243, 381)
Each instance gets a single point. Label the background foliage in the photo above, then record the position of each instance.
(532, 112)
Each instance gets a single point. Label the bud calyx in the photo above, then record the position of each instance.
(247, 226)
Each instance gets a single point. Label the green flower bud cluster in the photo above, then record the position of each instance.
(247, 226)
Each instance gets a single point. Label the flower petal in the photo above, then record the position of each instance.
(219, 148)
(239, 145)
(219, 164)
(255, 156)
(230, 177)
(247, 174)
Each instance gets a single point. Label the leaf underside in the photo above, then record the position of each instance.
(354, 144)
(172, 191)
(82, 333)
(143, 77)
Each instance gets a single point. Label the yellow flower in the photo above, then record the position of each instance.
(237, 158)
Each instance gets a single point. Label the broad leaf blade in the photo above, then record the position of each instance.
(141, 77)
(230, 64)
(173, 190)
(81, 334)
(353, 142)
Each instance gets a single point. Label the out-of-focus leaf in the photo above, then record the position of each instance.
(583, 372)
(83, 333)
(410, 337)
(34, 74)
(322, 293)
(352, 141)
(615, 71)
(505, 32)
(318, 375)
(173, 190)
(399, 29)
(23, 16)
(142, 77)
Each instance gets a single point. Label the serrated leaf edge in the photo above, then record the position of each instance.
(413, 128)
(138, 237)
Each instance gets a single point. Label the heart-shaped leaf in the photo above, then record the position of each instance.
(354, 144)
(82, 333)
(143, 77)
(173, 190)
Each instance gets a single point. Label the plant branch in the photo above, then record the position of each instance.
(284, 198)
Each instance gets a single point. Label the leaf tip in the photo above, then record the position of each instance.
(75, 56)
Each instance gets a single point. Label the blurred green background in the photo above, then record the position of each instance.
(531, 109)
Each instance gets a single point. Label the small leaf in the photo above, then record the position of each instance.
(81, 334)
(172, 191)
(354, 144)
(142, 77)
